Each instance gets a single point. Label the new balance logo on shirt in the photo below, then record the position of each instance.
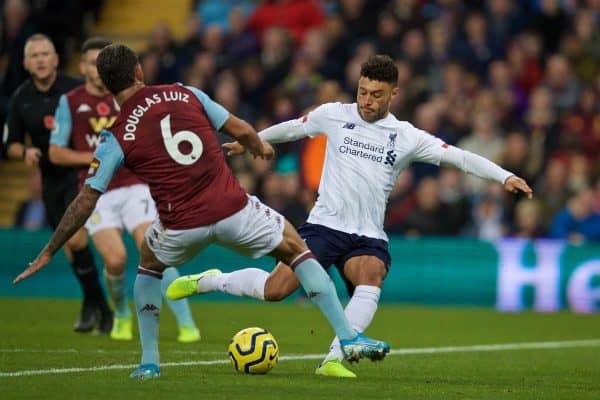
(349, 125)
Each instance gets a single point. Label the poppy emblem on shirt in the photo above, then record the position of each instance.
(49, 122)
(103, 109)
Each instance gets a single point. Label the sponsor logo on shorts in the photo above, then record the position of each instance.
(95, 218)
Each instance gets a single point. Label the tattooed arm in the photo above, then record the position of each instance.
(77, 213)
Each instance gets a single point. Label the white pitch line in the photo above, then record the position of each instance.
(101, 351)
(419, 350)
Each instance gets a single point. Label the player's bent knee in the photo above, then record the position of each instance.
(290, 248)
(115, 266)
(275, 294)
(372, 277)
(277, 291)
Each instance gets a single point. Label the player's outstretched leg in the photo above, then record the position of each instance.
(188, 332)
(188, 285)
(248, 282)
(320, 289)
(360, 312)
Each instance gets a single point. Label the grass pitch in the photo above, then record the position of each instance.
(40, 357)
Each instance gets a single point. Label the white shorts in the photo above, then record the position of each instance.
(123, 208)
(254, 231)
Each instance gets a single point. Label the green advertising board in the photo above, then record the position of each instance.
(511, 274)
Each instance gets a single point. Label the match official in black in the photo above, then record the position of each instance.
(31, 111)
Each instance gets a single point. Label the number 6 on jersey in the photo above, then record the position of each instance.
(172, 143)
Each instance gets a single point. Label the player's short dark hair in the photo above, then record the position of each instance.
(380, 68)
(37, 37)
(95, 43)
(116, 66)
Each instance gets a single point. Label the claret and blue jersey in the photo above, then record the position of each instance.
(166, 136)
(79, 119)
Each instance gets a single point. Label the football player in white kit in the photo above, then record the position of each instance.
(367, 148)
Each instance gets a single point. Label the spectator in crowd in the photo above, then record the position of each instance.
(528, 219)
(577, 222)
(581, 127)
(488, 214)
(561, 83)
(484, 140)
(454, 199)
(16, 26)
(429, 217)
(551, 22)
(295, 16)
(240, 42)
(218, 12)
(516, 81)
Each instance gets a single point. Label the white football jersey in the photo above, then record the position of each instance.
(362, 162)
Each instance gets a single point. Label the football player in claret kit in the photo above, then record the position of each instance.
(367, 148)
(81, 115)
(166, 136)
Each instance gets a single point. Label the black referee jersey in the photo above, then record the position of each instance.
(32, 112)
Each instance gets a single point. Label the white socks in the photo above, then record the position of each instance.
(248, 282)
(360, 312)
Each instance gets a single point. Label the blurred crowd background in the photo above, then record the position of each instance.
(517, 82)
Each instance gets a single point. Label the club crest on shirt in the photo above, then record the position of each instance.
(392, 140)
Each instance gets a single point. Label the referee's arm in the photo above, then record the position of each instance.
(14, 140)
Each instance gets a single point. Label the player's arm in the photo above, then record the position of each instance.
(482, 167)
(435, 151)
(233, 126)
(247, 137)
(107, 160)
(59, 151)
(287, 131)
(311, 124)
(68, 157)
(14, 137)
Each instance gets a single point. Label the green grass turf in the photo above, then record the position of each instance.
(40, 329)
